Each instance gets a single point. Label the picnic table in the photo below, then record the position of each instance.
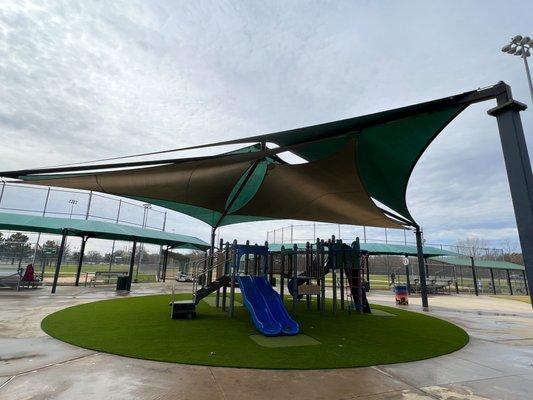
(103, 276)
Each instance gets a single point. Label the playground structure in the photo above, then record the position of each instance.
(303, 271)
(344, 178)
(308, 270)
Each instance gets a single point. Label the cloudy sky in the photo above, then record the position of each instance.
(81, 80)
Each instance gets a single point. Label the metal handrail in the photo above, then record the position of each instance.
(199, 268)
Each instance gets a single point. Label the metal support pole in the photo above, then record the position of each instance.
(89, 205)
(455, 279)
(2, 191)
(59, 257)
(247, 261)
(80, 261)
(281, 275)
(294, 277)
(474, 276)
(334, 276)
(132, 263)
(141, 245)
(407, 280)
(211, 255)
(220, 249)
(112, 256)
(367, 262)
(232, 287)
(292, 234)
(525, 282)
(321, 262)
(519, 173)
(309, 270)
(492, 281)
(509, 282)
(165, 261)
(270, 268)
(160, 264)
(421, 269)
(39, 234)
(341, 272)
(334, 254)
(528, 74)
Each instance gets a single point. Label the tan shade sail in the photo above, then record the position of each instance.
(351, 165)
(326, 190)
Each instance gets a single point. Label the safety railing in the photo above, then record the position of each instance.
(202, 269)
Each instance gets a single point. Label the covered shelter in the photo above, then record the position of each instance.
(490, 265)
(391, 249)
(355, 171)
(87, 229)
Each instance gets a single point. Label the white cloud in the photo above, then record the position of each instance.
(86, 80)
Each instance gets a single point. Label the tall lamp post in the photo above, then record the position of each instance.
(72, 204)
(147, 207)
(522, 47)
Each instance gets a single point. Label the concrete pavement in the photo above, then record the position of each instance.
(496, 364)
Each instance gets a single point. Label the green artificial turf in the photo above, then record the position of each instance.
(141, 327)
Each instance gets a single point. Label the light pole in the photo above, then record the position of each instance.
(72, 204)
(521, 46)
(147, 207)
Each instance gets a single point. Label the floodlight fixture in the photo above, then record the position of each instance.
(521, 46)
(506, 48)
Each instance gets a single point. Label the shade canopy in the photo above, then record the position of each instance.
(98, 230)
(467, 262)
(377, 249)
(355, 172)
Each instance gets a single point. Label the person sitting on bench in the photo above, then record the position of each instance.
(29, 276)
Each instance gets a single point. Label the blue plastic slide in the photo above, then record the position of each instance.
(258, 307)
(276, 306)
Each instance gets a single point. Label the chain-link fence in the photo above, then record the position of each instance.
(387, 270)
(17, 250)
(20, 249)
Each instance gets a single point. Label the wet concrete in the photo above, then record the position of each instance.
(496, 364)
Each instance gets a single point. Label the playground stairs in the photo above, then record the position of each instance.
(210, 288)
(186, 309)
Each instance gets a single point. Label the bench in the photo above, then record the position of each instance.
(104, 276)
(15, 281)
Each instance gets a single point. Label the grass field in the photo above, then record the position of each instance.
(141, 327)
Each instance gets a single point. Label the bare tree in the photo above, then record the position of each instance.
(472, 246)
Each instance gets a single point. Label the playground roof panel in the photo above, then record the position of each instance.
(378, 249)
(467, 262)
(98, 230)
(350, 163)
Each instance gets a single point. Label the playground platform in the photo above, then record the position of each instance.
(496, 364)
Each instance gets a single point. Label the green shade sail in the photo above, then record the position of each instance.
(467, 262)
(98, 230)
(389, 152)
(376, 249)
(350, 165)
